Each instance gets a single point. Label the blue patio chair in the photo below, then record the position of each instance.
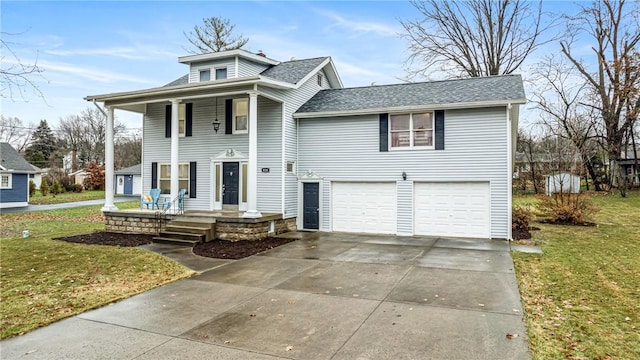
(151, 199)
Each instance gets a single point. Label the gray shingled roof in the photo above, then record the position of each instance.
(182, 80)
(485, 89)
(294, 70)
(12, 160)
(131, 170)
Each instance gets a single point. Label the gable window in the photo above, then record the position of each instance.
(319, 79)
(205, 75)
(221, 73)
(413, 130)
(165, 177)
(240, 116)
(5, 181)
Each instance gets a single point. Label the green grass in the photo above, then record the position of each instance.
(582, 296)
(44, 280)
(38, 199)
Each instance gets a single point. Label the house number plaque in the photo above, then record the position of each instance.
(265, 170)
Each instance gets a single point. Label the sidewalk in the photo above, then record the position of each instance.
(66, 205)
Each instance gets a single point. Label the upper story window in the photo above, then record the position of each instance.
(413, 130)
(205, 75)
(5, 181)
(221, 73)
(240, 116)
(182, 118)
(319, 79)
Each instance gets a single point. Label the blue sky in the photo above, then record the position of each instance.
(88, 48)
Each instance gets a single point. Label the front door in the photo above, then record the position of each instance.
(230, 181)
(310, 206)
(128, 184)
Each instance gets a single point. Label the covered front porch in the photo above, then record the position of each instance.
(201, 136)
(194, 226)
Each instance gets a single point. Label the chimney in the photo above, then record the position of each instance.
(260, 53)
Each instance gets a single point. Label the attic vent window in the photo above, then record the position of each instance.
(319, 79)
(205, 75)
(221, 73)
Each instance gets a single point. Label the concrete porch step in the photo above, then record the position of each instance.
(174, 241)
(191, 229)
(182, 236)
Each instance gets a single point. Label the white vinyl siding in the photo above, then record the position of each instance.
(349, 150)
(249, 68)
(457, 209)
(364, 207)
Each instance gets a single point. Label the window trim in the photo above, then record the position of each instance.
(160, 178)
(9, 181)
(412, 132)
(200, 71)
(320, 79)
(182, 106)
(233, 116)
(215, 72)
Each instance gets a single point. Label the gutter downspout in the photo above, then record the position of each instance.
(509, 173)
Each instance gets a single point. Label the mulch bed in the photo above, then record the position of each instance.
(222, 249)
(219, 249)
(109, 238)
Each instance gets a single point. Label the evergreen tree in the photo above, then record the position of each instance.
(43, 145)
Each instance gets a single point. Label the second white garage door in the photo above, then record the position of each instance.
(452, 209)
(364, 207)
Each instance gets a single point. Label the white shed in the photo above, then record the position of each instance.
(562, 182)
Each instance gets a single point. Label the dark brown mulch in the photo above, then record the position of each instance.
(521, 234)
(109, 238)
(222, 249)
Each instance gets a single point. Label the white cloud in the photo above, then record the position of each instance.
(94, 74)
(359, 27)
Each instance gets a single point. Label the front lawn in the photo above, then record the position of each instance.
(44, 280)
(582, 296)
(38, 199)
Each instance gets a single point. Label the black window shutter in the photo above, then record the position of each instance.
(154, 175)
(439, 136)
(228, 116)
(188, 123)
(167, 121)
(384, 132)
(192, 179)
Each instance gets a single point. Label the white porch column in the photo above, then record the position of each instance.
(108, 164)
(252, 165)
(175, 137)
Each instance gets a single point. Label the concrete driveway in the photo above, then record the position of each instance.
(326, 296)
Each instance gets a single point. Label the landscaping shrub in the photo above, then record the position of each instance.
(567, 208)
(520, 218)
(44, 187)
(56, 188)
(32, 188)
(78, 188)
(95, 179)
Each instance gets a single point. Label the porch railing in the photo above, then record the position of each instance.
(177, 207)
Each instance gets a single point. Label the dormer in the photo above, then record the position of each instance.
(226, 65)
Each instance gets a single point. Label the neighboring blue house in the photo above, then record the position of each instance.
(246, 133)
(129, 180)
(14, 178)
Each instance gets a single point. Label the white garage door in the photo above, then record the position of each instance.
(364, 207)
(452, 209)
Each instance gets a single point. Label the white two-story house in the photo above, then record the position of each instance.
(248, 133)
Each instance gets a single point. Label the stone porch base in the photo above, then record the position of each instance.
(228, 226)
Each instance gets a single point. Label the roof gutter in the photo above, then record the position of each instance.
(464, 105)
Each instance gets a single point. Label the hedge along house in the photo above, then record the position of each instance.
(246, 133)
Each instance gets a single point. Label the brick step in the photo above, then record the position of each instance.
(172, 241)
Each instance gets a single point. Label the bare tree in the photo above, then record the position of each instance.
(16, 76)
(84, 136)
(561, 97)
(15, 132)
(615, 80)
(128, 151)
(473, 38)
(216, 34)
